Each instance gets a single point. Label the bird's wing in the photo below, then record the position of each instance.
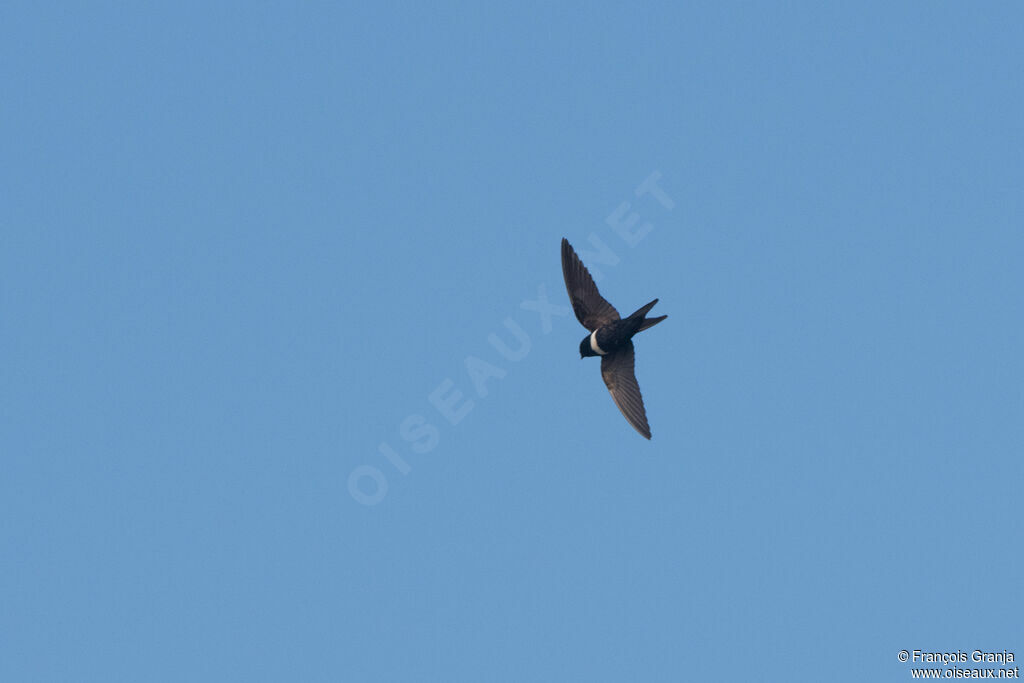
(590, 307)
(618, 374)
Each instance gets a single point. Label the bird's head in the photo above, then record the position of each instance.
(585, 349)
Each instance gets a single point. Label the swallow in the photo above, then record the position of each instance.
(611, 337)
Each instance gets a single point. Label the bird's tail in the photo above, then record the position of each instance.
(651, 322)
(647, 322)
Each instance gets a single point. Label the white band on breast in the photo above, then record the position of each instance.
(593, 344)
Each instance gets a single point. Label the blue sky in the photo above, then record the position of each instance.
(244, 244)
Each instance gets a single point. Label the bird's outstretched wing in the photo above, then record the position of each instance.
(590, 307)
(618, 374)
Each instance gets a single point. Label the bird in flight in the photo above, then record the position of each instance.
(610, 337)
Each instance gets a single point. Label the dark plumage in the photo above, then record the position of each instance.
(611, 337)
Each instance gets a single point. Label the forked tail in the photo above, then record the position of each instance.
(647, 322)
